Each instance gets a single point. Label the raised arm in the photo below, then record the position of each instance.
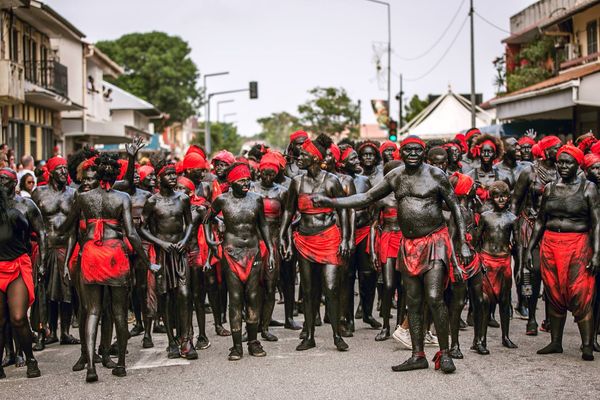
(127, 185)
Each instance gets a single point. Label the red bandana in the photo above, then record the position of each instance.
(269, 161)
(463, 185)
(55, 162)
(193, 149)
(463, 142)
(240, 171)
(90, 162)
(472, 132)
(476, 150)
(297, 135)
(165, 168)
(412, 139)
(194, 161)
(224, 156)
(388, 144)
(590, 159)
(144, 171)
(335, 150)
(346, 153)
(8, 172)
(526, 140)
(309, 147)
(572, 151)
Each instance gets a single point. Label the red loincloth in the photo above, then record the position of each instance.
(567, 283)
(321, 248)
(202, 256)
(361, 234)
(498, 272)
(240, 261)
(105, 263)
(417, 256)
(470, 270)
(389, 245)
(11, 270)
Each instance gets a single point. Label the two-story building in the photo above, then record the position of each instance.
(570, 95)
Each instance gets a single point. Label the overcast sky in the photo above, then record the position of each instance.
(291, 46)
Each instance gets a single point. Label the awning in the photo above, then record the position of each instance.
(37, 95)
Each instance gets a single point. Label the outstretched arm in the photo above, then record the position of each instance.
(360, 200)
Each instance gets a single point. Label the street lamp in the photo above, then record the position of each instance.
(207, 111)
(228, 115)
(219, 104)
(389, 74)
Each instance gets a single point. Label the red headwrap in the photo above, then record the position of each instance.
(595, 148)
(463, 142)
(335, 150)
(54, 163)
(165, 168)
(309, 147)
(297, 135)
(183, 181)
(464, 184)
(90, 162)
(537, 152)
(280, 158)
(547, 142)
(144, 171)
(346, 153)
(194, 161)
(270, 161)
(587, 143)
(123, 169)
(526, 140)
(572, 151)
(224, 156)
(590, 159)
(476, 150)
(8, 172)
(240, 171)
(388, 144)
(472, 132)
(179, 168)
(368, 144)
(412, 139)
(193, 149)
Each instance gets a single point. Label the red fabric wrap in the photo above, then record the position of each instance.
(589, 160)
(417, 255)
(90, 162)
(55, 162)
(463, 142)
(9, 173)
(165, 168)
(388, 144)
(321, 248)
(74, 258)
(346, 153)
(544, 144)
(187, 183)
(105, 264)
(464, 184)
(122, 169)
(240, 171)
(305, 206)
(99, 228)
(202, 256)
(472, 132)
(389, 245)
(335, 150)
(389, 212)
(498, 273)
(595, 148)
(587, 143)
(309, 147)
(297, 135)
(194, 161)
(224, 156)
(240, 262)
(567, 283)
(193, 149)
(412, 139)
(269, 163)
(572, 151)
(471, 269)
(144, 171)
(272, 207)
(526, 140)
(279, 157)
(476, 150)
(11, 270)
(361, 234)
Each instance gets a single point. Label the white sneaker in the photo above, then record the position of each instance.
(431, 339)
(402, 336)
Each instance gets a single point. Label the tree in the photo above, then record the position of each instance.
(330, 111)
(223, 135)
(158, 68)
(534, 64)
(414, 107)
(275, 128)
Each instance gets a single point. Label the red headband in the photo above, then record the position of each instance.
(572, 151)
(346, 153)
(526, 140)
(193, 149)
(548, 141)
(194, 161)
(165, 168)
(412, 139)
(90, 162)
(144, 171)
(476, 150)
(587, 143)
(179, 168)
(472, 132)
(309, 147)
(590, 159)
(55, 162)
(224, 156)
(8, 172)
(297, 135)
(270, 161)
(240, 171)
(464, 184)
(183, 181)
(335, 150)
(388, 144)
(368, 144)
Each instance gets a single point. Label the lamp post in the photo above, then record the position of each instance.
(207, 111)
(389, 72)
(218, 106)
(225, 116)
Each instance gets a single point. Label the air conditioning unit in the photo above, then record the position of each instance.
(571, 51)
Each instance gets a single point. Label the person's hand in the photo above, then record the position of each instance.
(136, 145)
(375, 261)
(271, 262)
(165, 246)
(285, 249)
(528, 261)
(42, 269)
(154, 268)
(66, 272)
(531, 133)
(321, 201)
(179, 247)
(343, 250)
(594, 265)
(466, 254)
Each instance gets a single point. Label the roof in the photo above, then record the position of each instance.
(111, 68)
(123, 100)
(559, 80)
(445, 117)
(576, 9)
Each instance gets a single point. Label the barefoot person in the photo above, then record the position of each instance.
(494, 238)
(568, 257)
(244, 220)
(425, 252)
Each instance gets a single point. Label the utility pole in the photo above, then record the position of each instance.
(400, 104)
(207, 139)
(471, 12)
(207, 112)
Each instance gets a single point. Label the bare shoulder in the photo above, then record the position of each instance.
(396, 173)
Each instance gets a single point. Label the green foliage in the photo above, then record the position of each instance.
(158, 68)
(276, 128)
(223, 135)
(414, 107)
(330, 111)
(532, 64)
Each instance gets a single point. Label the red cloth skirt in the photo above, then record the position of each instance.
(498, 272)
(105, 263)
(240, 261)
(389, 245)
(321, 248)
(567, 282)
(361, 234)
(11, 270)
(472, 269)
(416, 256)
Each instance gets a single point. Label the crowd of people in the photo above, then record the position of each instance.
(425, 227)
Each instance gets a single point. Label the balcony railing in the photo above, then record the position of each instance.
(50, 75)
(580, 61)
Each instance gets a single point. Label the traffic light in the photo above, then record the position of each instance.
(392, 130)
(254, 90)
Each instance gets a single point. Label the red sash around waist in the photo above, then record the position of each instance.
(99, 228)
(11, 270)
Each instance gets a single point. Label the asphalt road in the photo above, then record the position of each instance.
(323, 372)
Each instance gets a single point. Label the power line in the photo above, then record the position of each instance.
(439, 61)
(491, 23)
(426, 52)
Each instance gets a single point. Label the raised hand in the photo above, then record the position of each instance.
(135, 146)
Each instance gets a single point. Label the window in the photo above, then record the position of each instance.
(592, 37)
(16, 138)
(47, 143)
(14, 45)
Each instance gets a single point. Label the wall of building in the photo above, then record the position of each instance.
(96, 104)
(70, 53)
(580, 22)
